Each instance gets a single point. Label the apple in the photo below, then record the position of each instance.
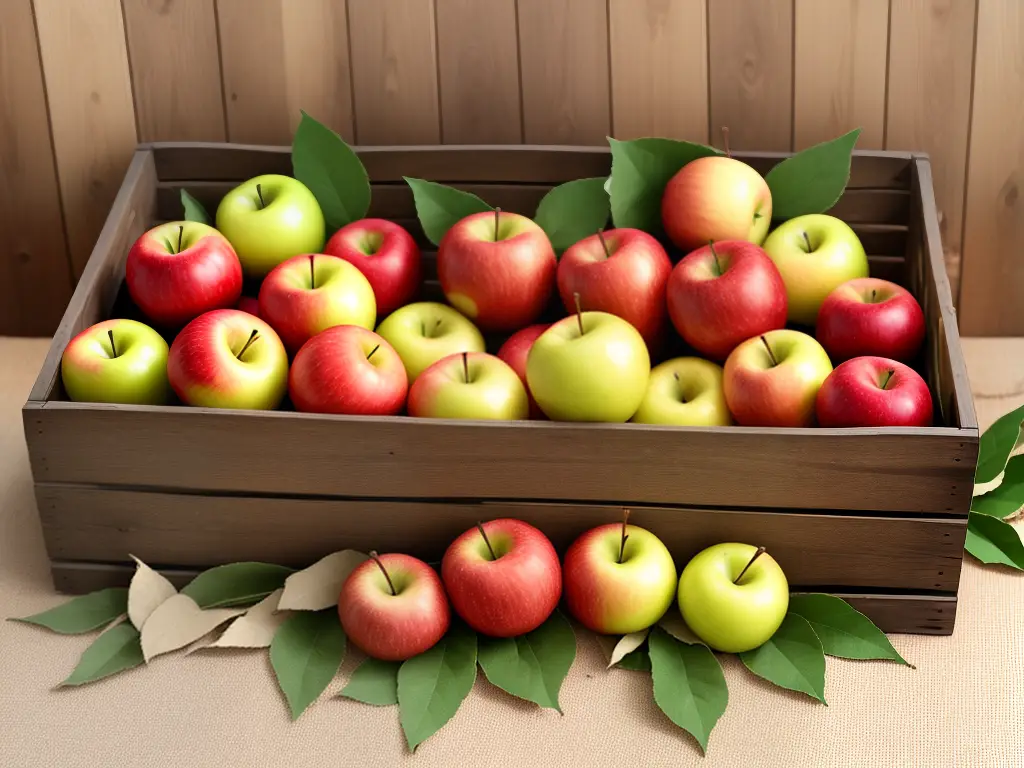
(723, 294)
(228, 359)
(250, 305)
(815, 254)
(870, 316)
(116, 361)
(269, 219)
(348, 369)
(622, 272)
(497, 269)
(618, 579)
(515, 351)
(686, 392)
(715, 198)
(312, 292)
(387, 254)
(393, 607)
(733, 596)
(424, 332)
(874, 392)
(503, 577)
(773, 379)
(469, 385)
(178, 270)
(591, 366)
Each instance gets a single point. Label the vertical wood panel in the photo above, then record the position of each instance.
(839, 66)
(751, 72)
(563, 47)
(659, 75)
(85, 64)
(394, 71)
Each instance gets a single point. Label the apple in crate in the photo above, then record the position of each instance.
(685, 392)
(469, 385)
(874, 392)
(503, 577)
(116, 361)
(177, 271)
(393, 607)
(268, 219)
(515, 350)
(497, 268)
(424, 332)
(870, 316)
(228, 359)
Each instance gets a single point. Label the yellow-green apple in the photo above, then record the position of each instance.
(348, 369)
(723, 294)
(312, 292)
(622, 272)
(686, 392)
(269, 219)
(773, 379)
(393, 607)
(386, 253)
(178, 270)
(870, 316)
(250, 305)
(228, 359)
(874, 391)
(815, 254)
(619, 578)
(497, 269)
(424, 332)
(733, 596)
(116, 361)
(469, 385)
(591, 366)
(514, 352)
(715, 198)
(502, 577)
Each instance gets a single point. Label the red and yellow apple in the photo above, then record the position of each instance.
(870, 316)
(469, 385)
(116, 361)
(424, 332)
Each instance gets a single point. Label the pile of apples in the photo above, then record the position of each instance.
(744, 329)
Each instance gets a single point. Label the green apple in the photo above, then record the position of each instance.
(733, 596)
(116, 361)
(469, 385)
(591, 366)
(686, 392)
(269, 219)
(814, 254)
(424, 332)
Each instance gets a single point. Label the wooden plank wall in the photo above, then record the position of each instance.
(81, 81)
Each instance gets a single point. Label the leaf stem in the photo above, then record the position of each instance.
(760, 551)
(480, 527)
(113, 349)
(376, 558)
(579, 311)
(604, 244)
(252, 337)
(771, 355)
(625, 536)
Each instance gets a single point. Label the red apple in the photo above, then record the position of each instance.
(250, 305)
(348, 369)
(515, 351)
(874, 392)
(393, 607)
(723, 294)
(870, 316)
(386, 254)
(498, 269)
(503, 577)
(179, 270)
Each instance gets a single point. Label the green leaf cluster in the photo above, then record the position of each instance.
(999, 494)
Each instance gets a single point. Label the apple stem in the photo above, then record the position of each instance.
(725, 140)
(252, 337)
(682, 397)
(771, 354)
(714, 254)
(372, 351)
(808, 241)
(497, 213)
(625, 536)
(259, 194)
(757, 554)
(465, 366)
(312, 273)
(888, 375)
(480, 527)
(181, 232)
(113, 349)
(604, 244)
(376, 558)
(579, 311)
(873, 296)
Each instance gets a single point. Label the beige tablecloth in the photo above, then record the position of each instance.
(960, 707)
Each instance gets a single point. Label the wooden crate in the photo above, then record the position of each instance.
(875, 515)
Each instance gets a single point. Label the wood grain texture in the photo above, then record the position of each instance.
(840, 53)
(659, 61)
(563, 50)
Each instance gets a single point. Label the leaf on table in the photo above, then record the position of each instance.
(318, 587)
(674, 623)
(147, 591)
(439, 206)
(374, 682)
(812, 180)
(256, 627)
(689, 686)
(842, 630)
(792, 658)
(306, 653)
(179, 622)
(626, 645)
(333, 172)
(236, 584)
(114, 651)
(636, 661)
(1008, 497)
(194, 210)
(82, 614)
(994, 541)
(572, 211)
(996, 444)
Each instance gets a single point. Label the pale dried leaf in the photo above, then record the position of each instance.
(319, 586)
(980, 489)
(673, 623)
(256, 628)
(148, 590)
(627, 644)
(179, 622)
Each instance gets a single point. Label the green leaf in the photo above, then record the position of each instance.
(531, 666)
(792, 658)
(431, 686)
(82, 614)
(1008, 497)
(306, 653)
(117, 649)
(689, 686)
(994, 541)
(996, 444)
(842, 630)
(640, 170)
(811, 181)
(636, 661)
(194, 210)
(333, 172)
(572, 211)
(439, 207)
(236, 584)
(374, 682)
